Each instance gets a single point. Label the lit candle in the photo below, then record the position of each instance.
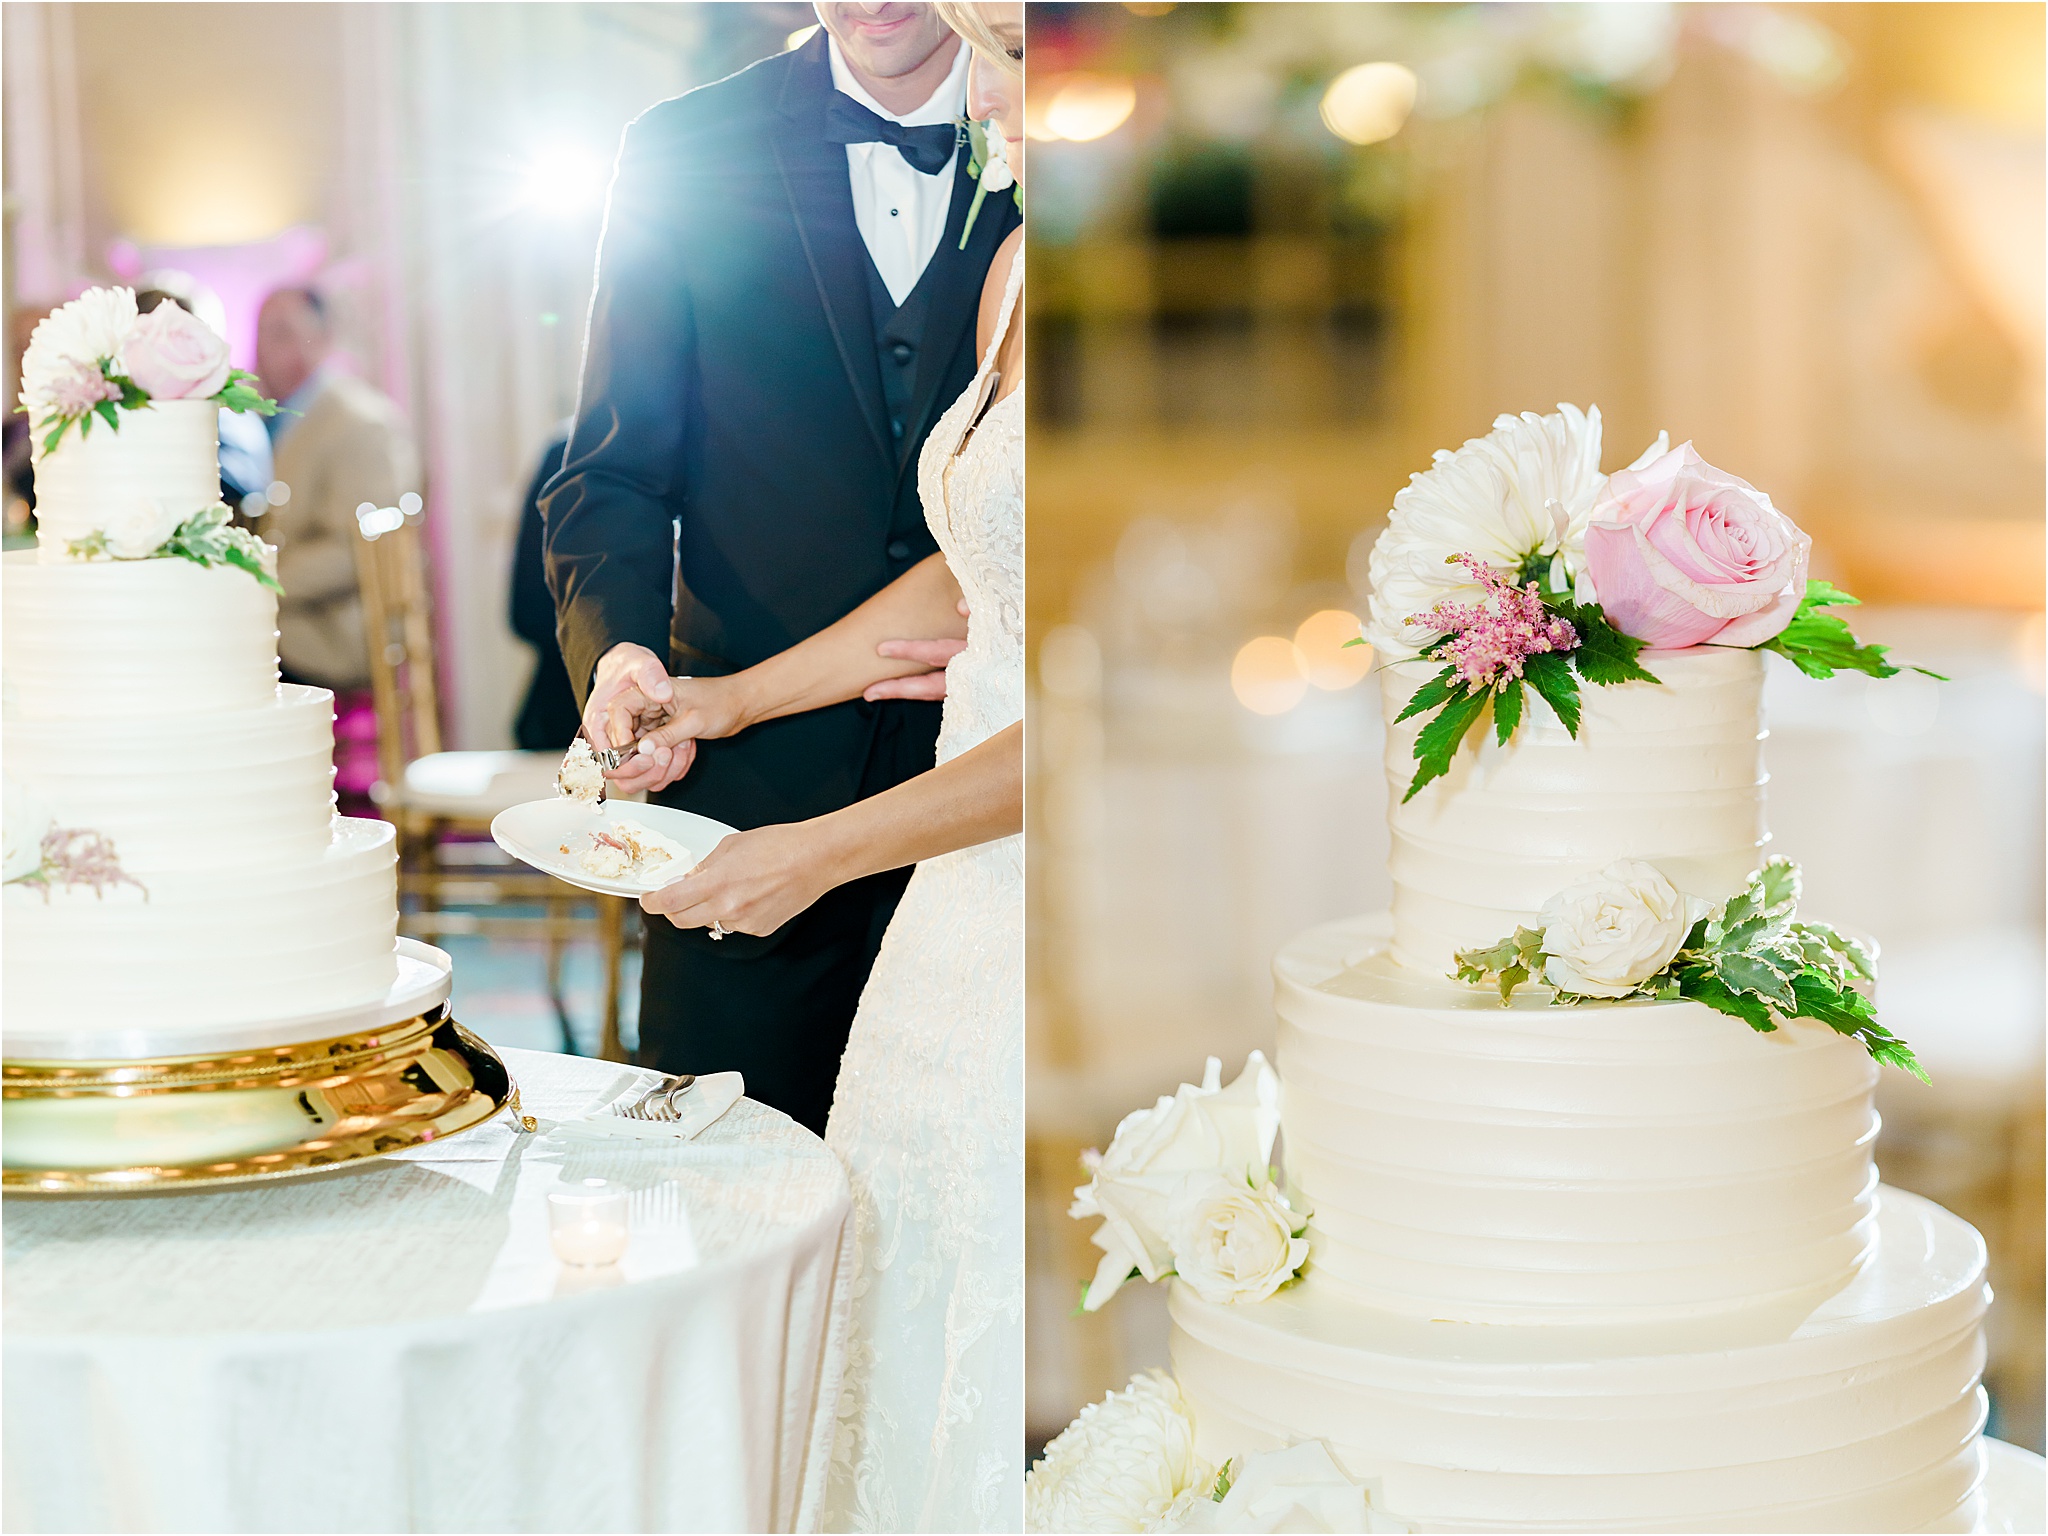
(587, 1222)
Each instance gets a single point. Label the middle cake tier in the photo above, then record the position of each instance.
(1634, 1162)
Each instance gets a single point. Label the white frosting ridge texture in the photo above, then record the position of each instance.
(1862, 1416)
(101, 643)
(210, 947)
(168, 453)
(251, 788)
(1668, 772)
(1560, 1166)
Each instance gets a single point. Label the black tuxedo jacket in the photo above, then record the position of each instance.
(734, 482)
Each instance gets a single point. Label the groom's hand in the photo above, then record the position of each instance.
(631, 681)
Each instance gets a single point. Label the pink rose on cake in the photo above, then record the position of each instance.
(175, 355)
(1681, 553)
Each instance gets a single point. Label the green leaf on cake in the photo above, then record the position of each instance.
(1437, 742)
(1701, 985)
(1507, 711)
(1550, 674)
(1848, 1012)
(208, 538)
(1436, 691)
(1605, 655)
(1507, 964)
(241, 394)
(1820, 644)
(1754, 974)
(1777, 884)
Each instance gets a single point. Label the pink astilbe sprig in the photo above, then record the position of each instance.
(79, 856)
(1489, 641)
(80, 389)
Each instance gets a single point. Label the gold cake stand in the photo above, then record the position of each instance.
(241, 1113)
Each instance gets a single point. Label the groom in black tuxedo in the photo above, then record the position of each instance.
(784, 308)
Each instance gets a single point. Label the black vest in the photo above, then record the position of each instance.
(898, 328)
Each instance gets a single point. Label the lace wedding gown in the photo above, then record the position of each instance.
(928, 1113)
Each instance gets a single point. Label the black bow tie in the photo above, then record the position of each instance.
(928, 148)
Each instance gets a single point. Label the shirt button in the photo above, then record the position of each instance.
(894, 213)
(903, 352)
(898, 550)
(896, 428)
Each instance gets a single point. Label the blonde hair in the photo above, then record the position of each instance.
(965, 18)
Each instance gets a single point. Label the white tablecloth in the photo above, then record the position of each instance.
(396, 1349)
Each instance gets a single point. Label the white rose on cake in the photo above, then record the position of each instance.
(1606, 936)
(1127, 1463)
(1206, 1130)
(138, 530)
(1235, 1241)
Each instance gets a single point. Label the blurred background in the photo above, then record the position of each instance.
(1280, 253)
(409, 196)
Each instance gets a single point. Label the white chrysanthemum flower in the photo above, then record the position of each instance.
(1125, 1464)
(1527, 487)
(89, 330)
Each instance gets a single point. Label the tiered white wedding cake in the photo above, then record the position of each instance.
(173, 856)
(1623, 1267)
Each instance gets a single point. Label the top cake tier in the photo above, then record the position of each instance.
(1670, 772)
(167, 454)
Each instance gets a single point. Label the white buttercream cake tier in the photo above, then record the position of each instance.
(167, 453)
(236, 789)
(1533, 1164)
(1669, 772)
(209, 948)
(100, 644)
(1862, 1415)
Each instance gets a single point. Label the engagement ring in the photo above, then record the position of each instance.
(718, 929)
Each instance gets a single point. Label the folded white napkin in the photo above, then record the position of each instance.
(708, 1099)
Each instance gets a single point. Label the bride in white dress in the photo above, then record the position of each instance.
(928, 1112)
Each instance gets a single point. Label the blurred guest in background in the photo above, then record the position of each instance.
(339, 443)
(548, 719)
(21, 480)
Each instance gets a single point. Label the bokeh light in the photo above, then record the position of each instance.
(1267, 676)
(1328, 660)
(1082, 107)
(1369, 102)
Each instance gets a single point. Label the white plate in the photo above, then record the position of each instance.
(535, 832)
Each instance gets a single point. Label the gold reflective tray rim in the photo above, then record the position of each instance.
(246, 1116)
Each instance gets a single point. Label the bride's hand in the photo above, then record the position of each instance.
(753, 882)
(697, 708)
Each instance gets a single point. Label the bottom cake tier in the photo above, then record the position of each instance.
(205, 948)
(1864, 1416)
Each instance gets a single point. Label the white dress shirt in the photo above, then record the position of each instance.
(901, 212)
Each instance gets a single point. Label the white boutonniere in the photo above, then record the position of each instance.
(988, 162)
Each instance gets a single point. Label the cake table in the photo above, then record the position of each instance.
(396, 1348)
